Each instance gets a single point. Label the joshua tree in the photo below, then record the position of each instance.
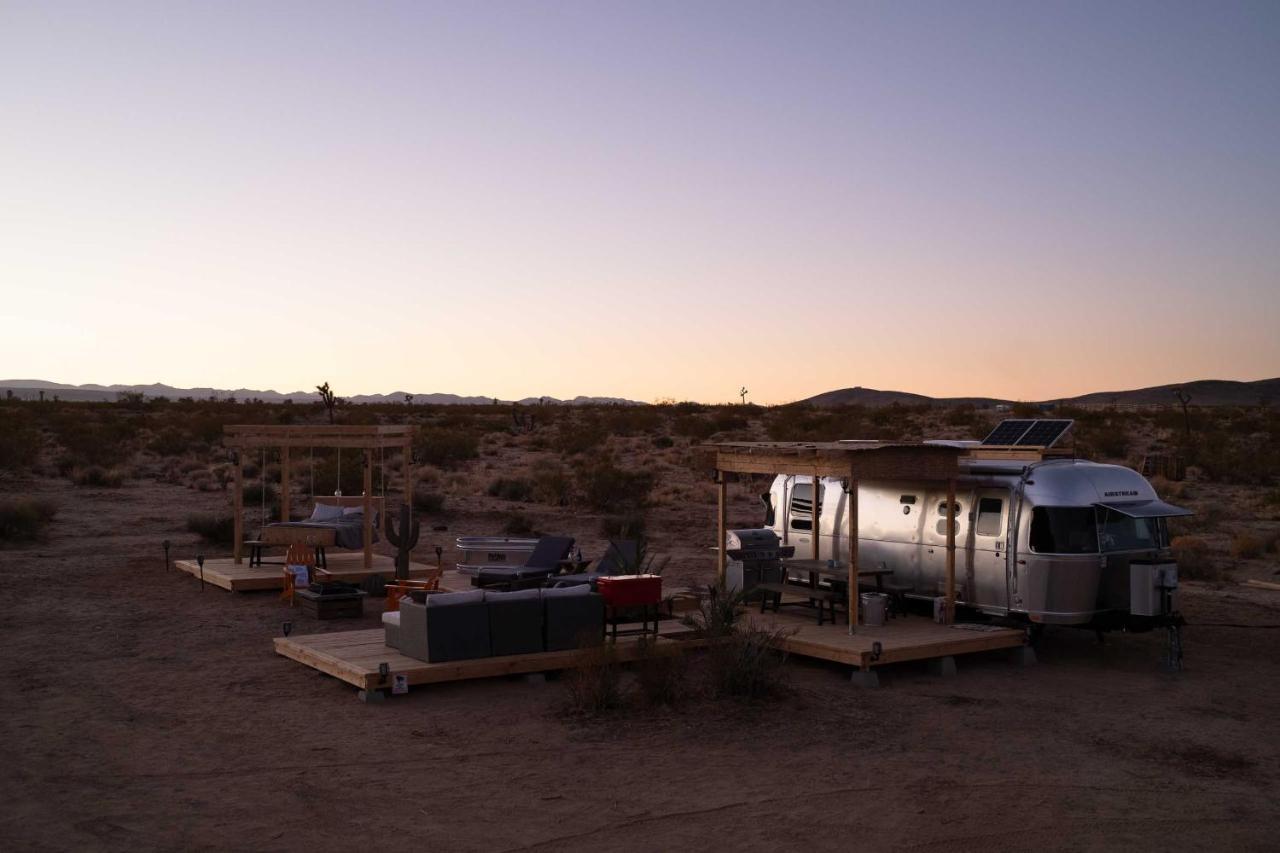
(742, 392)
(404, 541)
(1184, 398)
(326, 397)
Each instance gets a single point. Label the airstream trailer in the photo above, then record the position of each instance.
(1053, 540)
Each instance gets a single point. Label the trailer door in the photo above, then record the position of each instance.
(988, 587)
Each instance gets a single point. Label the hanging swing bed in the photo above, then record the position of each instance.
(335, 521)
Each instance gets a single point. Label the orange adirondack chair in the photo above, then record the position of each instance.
(297, 555)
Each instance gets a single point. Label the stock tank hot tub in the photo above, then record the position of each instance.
(475, 551)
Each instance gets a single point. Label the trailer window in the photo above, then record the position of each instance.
(802, 506)
(941, 526)
(1119, 532)
(1063, 530)
(989, 512)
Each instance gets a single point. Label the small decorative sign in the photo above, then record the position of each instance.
(400, 684)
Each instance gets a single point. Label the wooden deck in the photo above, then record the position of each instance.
(223, 572)
(905, 638)
(354, 657)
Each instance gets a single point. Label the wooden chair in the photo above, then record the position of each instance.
(397, 590)
(297, 555)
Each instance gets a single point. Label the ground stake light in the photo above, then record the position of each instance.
(200, 562)
(165, 544)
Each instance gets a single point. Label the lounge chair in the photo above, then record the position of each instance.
(619, 558)
(543, 562)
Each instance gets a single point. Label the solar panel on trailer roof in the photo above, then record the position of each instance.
(1007, 432)
(1043, 433)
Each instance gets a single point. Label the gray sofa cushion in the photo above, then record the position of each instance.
(574, 617)
(515, 621)
(449, 599)
(391, 628)
(456, 628)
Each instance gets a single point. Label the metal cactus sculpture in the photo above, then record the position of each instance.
(404, 541)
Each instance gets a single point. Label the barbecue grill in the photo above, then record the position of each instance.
(752, 553)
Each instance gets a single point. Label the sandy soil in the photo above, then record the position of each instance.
(138, 712)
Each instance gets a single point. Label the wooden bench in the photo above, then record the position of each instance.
(255, 553)
(773, 592)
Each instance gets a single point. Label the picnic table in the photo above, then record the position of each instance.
(823, 598)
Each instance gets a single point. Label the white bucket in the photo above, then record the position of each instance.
(874, 607)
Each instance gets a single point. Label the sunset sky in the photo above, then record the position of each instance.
(649, 200)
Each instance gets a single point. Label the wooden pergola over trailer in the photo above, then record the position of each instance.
(852, 462)
(240, 437)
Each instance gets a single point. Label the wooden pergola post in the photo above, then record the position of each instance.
(851, 509)
(286, 485)
(722, 525)
(951, 551)
(237, 510)
(368, 509)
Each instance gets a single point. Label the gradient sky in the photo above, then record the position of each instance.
(650, 200)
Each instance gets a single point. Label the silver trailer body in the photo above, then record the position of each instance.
(1050, 541)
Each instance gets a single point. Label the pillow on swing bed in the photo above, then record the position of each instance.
(325, 513)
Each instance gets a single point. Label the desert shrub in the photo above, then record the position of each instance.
(331, 474)
(24, 519)
(608, 488)
(87, 443)
(20, 440)
(1207, 519)
(1110, 440)
(518, 524)
(1272, 497)
(662, 442)
(551, 484)
(661, 675)
(629, 420)
(693, 426)
(214, 529)
(1192, 556)
(444, 447)
(256, 493)
(726, 420)
(1246, 546)
(171, 442)
(717, 612)
(748, 664)
(579, 435)
(425, 500)
(96, 475)
(596, 686)
(511, 489)
(630, 526)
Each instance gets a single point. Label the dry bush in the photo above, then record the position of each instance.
(662, 675)
(551, 484)
(95, 475)
(1246, 546)
(25, 519)
(1192, 556)
(445, 447)
(596, 686)
(662, 442)
(518, 524)
(748, 663)
(623, 526)
(609, 488)
(511, 489)
(214, 529)
(425, 500)
(20, 440)
(585, 432)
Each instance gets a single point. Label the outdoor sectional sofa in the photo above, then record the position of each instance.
(482, 623)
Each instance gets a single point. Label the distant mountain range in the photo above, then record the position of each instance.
(29, 389)
(1204, 392)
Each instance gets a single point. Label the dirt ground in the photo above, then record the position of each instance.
(138, 712)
